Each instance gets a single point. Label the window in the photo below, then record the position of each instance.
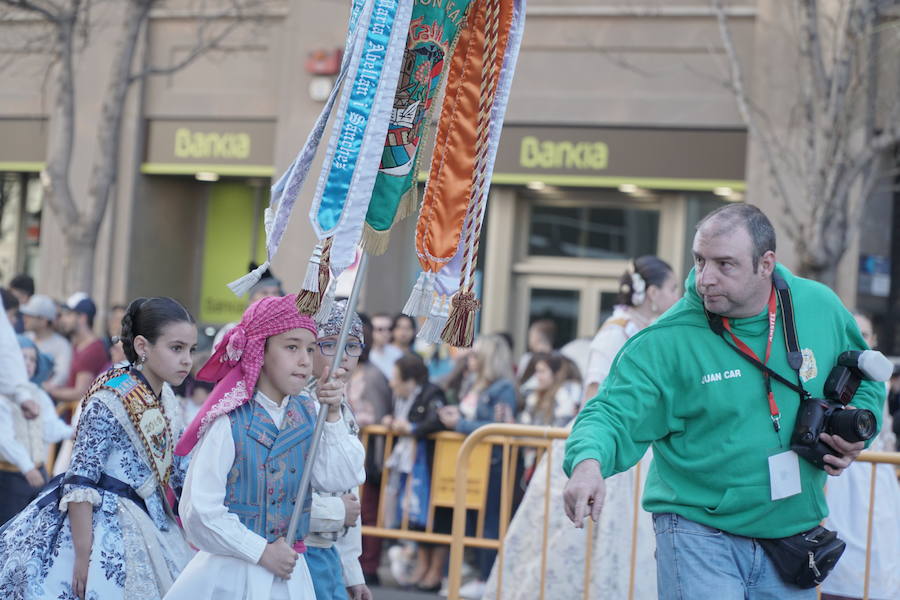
(561, 306)
(592, 231)
(608, 301)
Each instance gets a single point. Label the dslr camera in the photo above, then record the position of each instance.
(830, 415)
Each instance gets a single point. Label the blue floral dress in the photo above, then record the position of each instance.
(138, 549)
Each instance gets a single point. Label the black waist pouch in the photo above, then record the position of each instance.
(805, 559)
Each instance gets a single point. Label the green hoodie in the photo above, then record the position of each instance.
(677, 385)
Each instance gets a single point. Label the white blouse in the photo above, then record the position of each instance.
(612, 335)
(227, 564)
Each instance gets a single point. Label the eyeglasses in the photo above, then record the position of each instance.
(382, 328)
(329, 348)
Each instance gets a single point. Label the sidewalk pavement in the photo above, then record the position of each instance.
(392, 593)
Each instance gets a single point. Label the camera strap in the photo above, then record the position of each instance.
(720, 325)
(791, 340)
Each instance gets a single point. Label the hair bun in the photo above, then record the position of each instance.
(129, 321)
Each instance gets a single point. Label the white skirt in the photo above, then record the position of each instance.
(216, 577)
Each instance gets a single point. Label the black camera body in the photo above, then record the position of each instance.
(830, 415)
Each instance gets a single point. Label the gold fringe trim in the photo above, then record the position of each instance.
(373, 241)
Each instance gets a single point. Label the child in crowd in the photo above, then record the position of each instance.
(334, 542)
(24, 443)
(252, 437)
(105, 529)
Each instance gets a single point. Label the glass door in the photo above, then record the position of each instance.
(577, 304)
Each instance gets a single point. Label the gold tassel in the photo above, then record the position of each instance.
(309, 301)
(460, 328)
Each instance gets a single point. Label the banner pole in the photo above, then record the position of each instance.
(323, 410)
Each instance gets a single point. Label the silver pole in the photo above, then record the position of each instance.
(323, 410)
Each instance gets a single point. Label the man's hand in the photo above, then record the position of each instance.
(35, 478)
(279, 558)
(584, 492)
(835, 464)
(351, 509)
(359, 592)
(30, 409)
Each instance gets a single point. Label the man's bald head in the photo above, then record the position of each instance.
(725, 219)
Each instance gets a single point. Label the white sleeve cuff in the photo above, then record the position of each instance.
(334, 429)
(327, 514)
(26, 465)
(255, 546)
(80, 494)
(353, 573)
(23, 394)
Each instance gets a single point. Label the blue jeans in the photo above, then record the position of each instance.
(327, 573)
(696, 561)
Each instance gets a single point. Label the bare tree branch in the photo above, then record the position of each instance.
(811, 47)
(236, 17)
(47, 10)
(72, 24)
(105, 168)
(737, 81)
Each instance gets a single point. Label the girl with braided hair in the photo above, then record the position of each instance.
(105, 529)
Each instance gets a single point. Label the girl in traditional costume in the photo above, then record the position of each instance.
(647, 289)
(252, 437)
(105, 529)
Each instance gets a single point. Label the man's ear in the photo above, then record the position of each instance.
(767, 264)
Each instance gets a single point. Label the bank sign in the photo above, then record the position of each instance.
(609, 156)
(225, 147)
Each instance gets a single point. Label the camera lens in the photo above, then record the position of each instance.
(853, 425)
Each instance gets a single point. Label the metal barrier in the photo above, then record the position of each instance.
(507, 433)
(403, 532)
(511, 439)
(875, 458)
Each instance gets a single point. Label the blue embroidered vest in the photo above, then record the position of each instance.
(268, 463)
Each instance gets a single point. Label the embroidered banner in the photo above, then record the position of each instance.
(433, 31)
(449, 230)
(288, 187)
(351, 120)
(349, 230)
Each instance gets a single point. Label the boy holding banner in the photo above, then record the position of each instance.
(252, 436)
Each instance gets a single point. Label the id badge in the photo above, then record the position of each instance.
(784, 475)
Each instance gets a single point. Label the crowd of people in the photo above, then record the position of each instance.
(178, 470)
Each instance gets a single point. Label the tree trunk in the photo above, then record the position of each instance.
(105, 169)
(79, 262)
(59, 155)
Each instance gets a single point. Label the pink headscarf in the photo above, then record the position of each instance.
(238, 359)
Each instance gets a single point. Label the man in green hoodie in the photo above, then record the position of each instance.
(722, 472)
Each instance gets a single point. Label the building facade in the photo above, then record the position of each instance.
(619, 136)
